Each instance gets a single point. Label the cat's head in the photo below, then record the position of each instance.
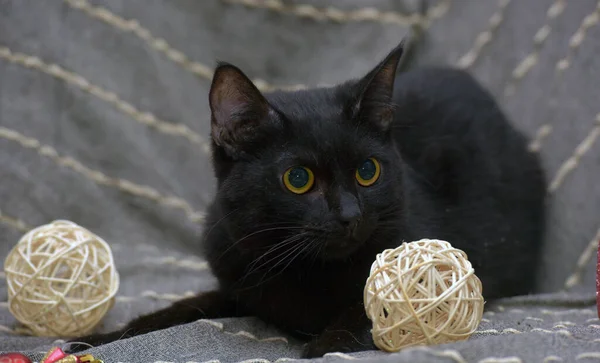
(306, 173)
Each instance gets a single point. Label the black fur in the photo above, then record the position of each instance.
(452, 168)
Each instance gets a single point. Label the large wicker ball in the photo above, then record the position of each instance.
(61, 280)
(423, 292)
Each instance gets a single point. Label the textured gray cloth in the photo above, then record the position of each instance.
(104, 121)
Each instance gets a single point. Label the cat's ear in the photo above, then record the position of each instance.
(374, 103)
(238, 109)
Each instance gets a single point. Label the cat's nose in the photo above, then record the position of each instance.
(349, 214)
(351, 224)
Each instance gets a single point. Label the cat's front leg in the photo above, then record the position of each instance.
(349, 332)
(208, 305)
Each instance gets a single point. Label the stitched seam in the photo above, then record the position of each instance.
(163, 261)
(587, 355)
(446, 353)
(515, 331)
(566, 312)
(582, 261)
(330, 13)
(6, 329)
(540, 37)
(577, 38)
(496, 332)
(543, 311)
(572, 162)
(243, 333)
(148, 294)
(153, 295)
(144, 118)
(566, 323)
(133, 26)
(485, 37)
(540, 136)
(172, 261)
(563, 64)
(98, 177)
(340, 355)
(219, 326)
(501, 360)
(18, 330)
(13, 221)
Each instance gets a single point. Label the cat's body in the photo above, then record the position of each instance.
(467, 178)
(450, 167)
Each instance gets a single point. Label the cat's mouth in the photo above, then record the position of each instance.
(340, 249)
(342, 245)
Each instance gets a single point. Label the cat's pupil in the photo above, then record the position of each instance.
(298, 177)
(368, 170)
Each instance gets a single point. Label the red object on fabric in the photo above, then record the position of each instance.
(14, 358)
(54, 355)
(598, 281)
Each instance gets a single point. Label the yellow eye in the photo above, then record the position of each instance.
(368, 173)
(298, 179)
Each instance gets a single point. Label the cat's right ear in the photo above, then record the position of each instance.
(238, 109)
(374, 103)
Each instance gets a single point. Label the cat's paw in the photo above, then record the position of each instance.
(340, 341)
(319, 347)
(315, 349)
(82, 343)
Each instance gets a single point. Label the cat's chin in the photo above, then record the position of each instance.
(341, 249)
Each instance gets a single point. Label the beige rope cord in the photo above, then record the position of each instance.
(61, 280)
(338, 15)
(423, 292)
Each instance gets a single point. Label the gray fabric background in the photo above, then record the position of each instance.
(104, 118)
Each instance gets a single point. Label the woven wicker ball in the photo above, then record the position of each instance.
(61, 280)
(422, 293)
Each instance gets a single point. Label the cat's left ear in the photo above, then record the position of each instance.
(374, 103)
(239, 111)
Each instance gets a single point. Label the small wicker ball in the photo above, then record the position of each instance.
(422, 293)
(61, 280)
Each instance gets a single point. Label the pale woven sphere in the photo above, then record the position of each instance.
(61, 280)
(422, 293)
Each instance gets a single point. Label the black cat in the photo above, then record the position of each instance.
(313, 184)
